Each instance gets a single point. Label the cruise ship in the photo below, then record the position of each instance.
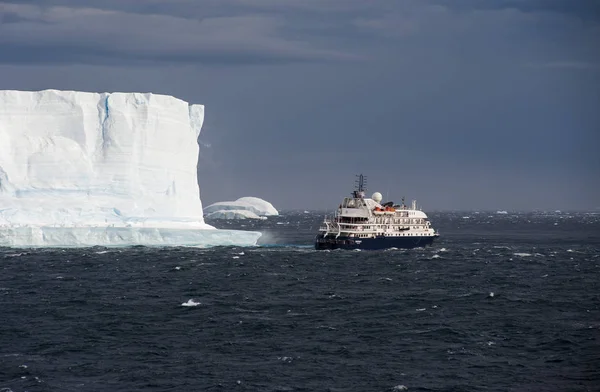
(367, 223)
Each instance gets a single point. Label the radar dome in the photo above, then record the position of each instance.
(376, 197)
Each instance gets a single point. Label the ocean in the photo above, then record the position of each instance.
(501, 302)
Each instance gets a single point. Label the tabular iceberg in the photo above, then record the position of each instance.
(110, 169)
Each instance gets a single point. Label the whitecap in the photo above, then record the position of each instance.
(400, 388)
(101, 252)
(436, 256)
(443, 250)
(190, 302)
(522, 254)
(235, 257)
(327, 327)
(178, 268)
(421, 309)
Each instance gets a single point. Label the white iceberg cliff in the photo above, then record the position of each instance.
(84, 169)
(257, 206)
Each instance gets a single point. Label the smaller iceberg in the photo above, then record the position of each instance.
(242, 208)
(233, 214)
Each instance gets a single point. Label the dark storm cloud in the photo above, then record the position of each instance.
(249, 31)
(61, 34)
(532, 34)
(584, 9)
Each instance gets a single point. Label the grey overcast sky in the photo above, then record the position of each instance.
(461, 104)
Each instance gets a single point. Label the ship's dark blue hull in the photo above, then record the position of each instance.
(342, 242)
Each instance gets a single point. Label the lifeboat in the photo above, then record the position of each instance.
(389, 210)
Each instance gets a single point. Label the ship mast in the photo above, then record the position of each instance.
(361, 186)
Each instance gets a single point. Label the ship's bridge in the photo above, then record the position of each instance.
(355, 207)
(417, 214)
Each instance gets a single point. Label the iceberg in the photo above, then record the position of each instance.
(233, 214)
(108, 169)
(256, 205)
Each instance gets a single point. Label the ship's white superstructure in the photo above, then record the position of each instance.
(361, 222)
(365, 218)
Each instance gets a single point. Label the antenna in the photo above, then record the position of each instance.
(361, 186)
(361, 183)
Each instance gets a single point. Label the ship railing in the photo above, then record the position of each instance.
(330, 228)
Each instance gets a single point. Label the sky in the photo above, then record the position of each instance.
(460, 104)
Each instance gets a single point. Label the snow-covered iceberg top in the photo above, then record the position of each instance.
(108, 164)
(254, 204)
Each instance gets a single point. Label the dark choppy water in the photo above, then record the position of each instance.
(500, 303)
